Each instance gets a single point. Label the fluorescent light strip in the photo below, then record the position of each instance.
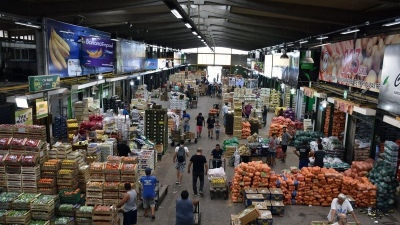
(199, 36)
(350, 31)
(321, 45)
(289, 44)
(302, 42)
(28, 25)
(188, 25)
(321, 38)
(396, 21)
(176, 13)
(114, 39)
(194, 32)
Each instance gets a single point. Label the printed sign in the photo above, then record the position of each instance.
(355, 64)
(151, 64)
(42, 109)
(130, 56)
(389, 92)
(24, 116)
(344, 106)
(97, 52)
(42, 83)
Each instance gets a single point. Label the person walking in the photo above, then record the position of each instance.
(210, 126)
(200, 123)
(186, 119)
(264, 115)
(181, 152)
(225, 109)
(284, 143)
(148, 186)
(217, 154)
(247, 110)
(123, 149)
(319, 156)
(340, 207)
(200, 168)
(128, 204)
(303, 153)
(184, 209)
(273, 145)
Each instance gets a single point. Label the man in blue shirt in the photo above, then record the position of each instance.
(186, 118)
(148, 186)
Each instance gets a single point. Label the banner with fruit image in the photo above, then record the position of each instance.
(389, 93)
(97, 52)
(355, 64)
(64, 49)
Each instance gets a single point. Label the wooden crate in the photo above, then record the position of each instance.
(24, 219)
(43, 208)
(111, 187)
(110, 195)
(94, 194)
(37, 215)
(93, 201)
(90, 187)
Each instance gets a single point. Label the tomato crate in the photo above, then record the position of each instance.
(110, 195)
(46, 183)
(23, 217)
(40, 215)
(129, 160)
(94, 186)
(110, 186)
(111, 210)
(94, 194)
(112, 177)
(96, 176)
(69, 165)
(51, 167)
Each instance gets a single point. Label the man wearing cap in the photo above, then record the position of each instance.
(340, 206)
(148, 186)
(285, 141)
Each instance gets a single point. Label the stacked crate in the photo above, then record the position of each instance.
(30, 178)
(3, 174)
(237, 119)
(43, 208)
(76, 156)
(36, 132)
(63, 150)
(93, 152)
(83, 177)
(94, 192)
(67, 176)
(146, 159)
(106, 214)
(49, 170)
(47, 186)
(60, 127)
(84, 215)
(13, 170)
(156, 127)
(130, 174)
(96, 174)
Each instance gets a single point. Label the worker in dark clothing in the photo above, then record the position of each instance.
(319, 156)
(123, 149)
(303, 153)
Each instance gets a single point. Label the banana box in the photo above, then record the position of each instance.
(265, 217)
(250, 198)
(265, 205)
(265, 192)
(276, 194)
(277, 208)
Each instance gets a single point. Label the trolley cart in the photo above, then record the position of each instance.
(187, 137)
(197, 214)
(217, 107)
(161, 192)
(194, 102)
(218, 185)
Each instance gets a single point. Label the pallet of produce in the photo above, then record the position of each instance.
(84, 212)
(112, 177)
(39, 222)
(110, 201)
(129, 168)
(112, 168)
(7, 198)
(18, 217)
(64, 221)
(41, 215)
(51, 165)
(12, 159)
(66, 210)
(46, 183)
(23, 201)
(43, 203)
(68, 196)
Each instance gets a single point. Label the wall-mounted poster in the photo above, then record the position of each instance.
(63, 49)
(356, 64)
(151, 64)
(130, 56)
(24, 116)
(97, 52)
(389, 92)
(42, 109)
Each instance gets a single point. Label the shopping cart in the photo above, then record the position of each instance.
(218, 185)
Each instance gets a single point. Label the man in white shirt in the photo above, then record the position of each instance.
(340, 206)
(181, 153)
(225, 109)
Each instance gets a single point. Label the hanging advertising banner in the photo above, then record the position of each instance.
(344, 106)
(389, 92)
(130, 56)
(268, 66)
(42, 109)
(64, 49)
(24, 116)
(97, 52)
(355, 64)
(43, 82)
(151, 64)
(286, 69)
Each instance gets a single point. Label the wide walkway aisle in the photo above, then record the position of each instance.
(218, 210)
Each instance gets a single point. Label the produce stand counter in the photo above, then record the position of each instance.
(257, 151)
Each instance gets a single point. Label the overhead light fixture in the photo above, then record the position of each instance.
(324, 103)
(284, 55)
(188, 25)
(100, 76)
(282, 86)
(322, 37)
(138, 78)
(290, 44)
(396, 21)
(114, 39)
(176, 13)
(350, 31)
(202, 40)
(28, 25)
(304, 41)
(132, 83)
(194, 32)
(199, 36)
(293, 91)
(307, 58)
(320, 45)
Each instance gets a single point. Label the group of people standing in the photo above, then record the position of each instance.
(212, 124)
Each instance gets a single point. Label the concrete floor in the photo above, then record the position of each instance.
(218, 211)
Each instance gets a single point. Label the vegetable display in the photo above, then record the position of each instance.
(66, 207)
(308, 136)
(8, 196)
(25, 198)
(62, 221)
(43, 200)
(338, 123)
(37, 222)
(246, 129)
(17, 213)
(359, 168)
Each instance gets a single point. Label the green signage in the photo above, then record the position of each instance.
(43, 83)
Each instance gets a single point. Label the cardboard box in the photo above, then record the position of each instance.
(265, 192)
(351, 200)
(265, 205)
(250, 191)
(248, 215)
(235, 220)
(276, 194)
(277, 208)
(265, 217)
(250, 198)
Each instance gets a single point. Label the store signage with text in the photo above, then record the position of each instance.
(42, 109)
(355, 64)
(97, 52)
(43, 83)
(24, 116)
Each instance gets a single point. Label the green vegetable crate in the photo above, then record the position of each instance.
(84, 212)
(23, 202)
(3, 214)
(39, 222)
(18, 217)
(39, 215)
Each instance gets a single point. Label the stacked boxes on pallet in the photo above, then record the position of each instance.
(30, 178)
(94, 152)
(156, 128)
(237, 119)
(83, 177)
(49, 173)
(67, 177)
(96, 178)
(105, 214)
(43, 207)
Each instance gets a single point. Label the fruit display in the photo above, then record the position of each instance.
(2, 157)
(18, 141)
(114, 159)
(103, 208)
(28, 160)
(73, 125)
(6, 128)
(8, 197)
(47, 181)
(112, 166)
(93, 185)
(68, 164)
(66, 173)
(33, 143)
(5, 142)
(86, 209)
(12, 159)
(129, 160)
(129, 167)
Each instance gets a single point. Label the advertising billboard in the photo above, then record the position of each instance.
(151, 64)
(130, 56)
(64, 49)
(97, 52)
